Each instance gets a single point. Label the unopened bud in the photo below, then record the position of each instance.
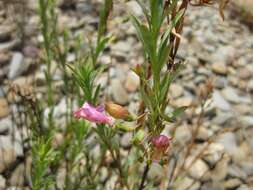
(161, 142)
(117, 111)
(138, 70)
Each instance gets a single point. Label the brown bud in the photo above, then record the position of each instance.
(117, 111)
(138, 70)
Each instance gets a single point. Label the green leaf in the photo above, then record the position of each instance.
(178, 111)
(157, 17)
(145, 10)
(146, 37)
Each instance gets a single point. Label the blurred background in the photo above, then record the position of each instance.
(214, 49)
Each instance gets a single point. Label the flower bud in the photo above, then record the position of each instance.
(138, 70)
(117, 111)
(161, 142)
(161, 145)
(138, 137)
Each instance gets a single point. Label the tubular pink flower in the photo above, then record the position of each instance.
(93, 114)
(161, 142)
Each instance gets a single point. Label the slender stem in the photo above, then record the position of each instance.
(144, 177)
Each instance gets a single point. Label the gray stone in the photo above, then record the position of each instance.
(5, 125)
(219, 68)
(2, 182)
(215, 185)
(132, 82)
(232, 183)
(225, 54)
(156, 172)
(183, 101)
(243, 187)
(188, 183)
(84, 7)
(220, 171)
(9, 45)
(125, 140)
(183, 134)
(231, 95)
(243, 109)
(5, 110)
(17, 65)
(198, 170)
(244, 73)
(7, 157)
(8, 143)
(236, 171)
(247, 167)
(228, 140)
(176, 90)
(247, 120)
(219, 102)
(250, 86)
(213, 153)
(17, 177)
(119, 94)
(122, 46)
(134, 8)
(222, 118)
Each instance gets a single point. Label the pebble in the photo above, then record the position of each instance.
(244, 73)
(220, 171)
(198, 170)
(17, 65)
(247, 167)
(176, 90)
(213, 153)
(7, 157)
(220, 102)
(2, 182)
(219, 68)
(214, 185)
(231, 95)
(125, 140)
(232, 183)
(5, 110)
(10, 45)
(243, 187)
(122, 46)
(5, 125)
(203, 134)
(250, 86)
(119, 93)
(17, 177)
(12, 143)
(57, 140)
(246, 120)
(243, 109)
(189, 183)
(228, 140)
(183, 134)
(236, 171)
(132, 82)
(157, 172)
(134, 8)
(4, 58)
(183, 101)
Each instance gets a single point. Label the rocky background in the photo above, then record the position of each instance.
(213, 49)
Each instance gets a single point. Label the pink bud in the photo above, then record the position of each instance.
(161, 142)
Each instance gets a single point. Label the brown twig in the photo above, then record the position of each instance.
(144, 176)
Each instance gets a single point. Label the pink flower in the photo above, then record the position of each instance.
(161, 145)
(93, 114)
(161, 142)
